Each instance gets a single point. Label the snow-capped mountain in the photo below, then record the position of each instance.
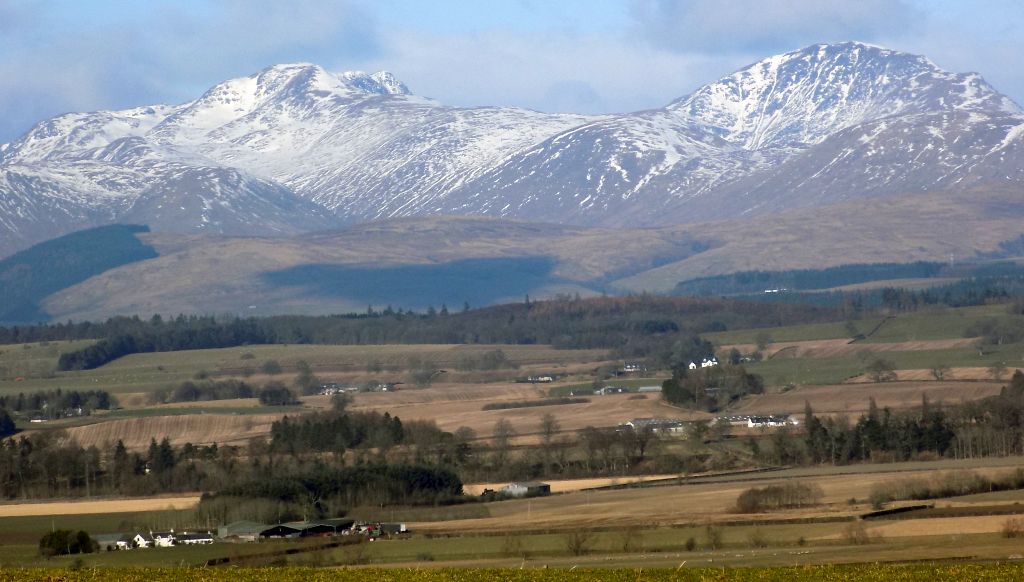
(296, 148)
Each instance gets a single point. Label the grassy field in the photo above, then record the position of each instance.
(37, 360)
(516, 573)
(148, 372)
(854, 399)
(928, 324)
(632, 384)
(781, 370)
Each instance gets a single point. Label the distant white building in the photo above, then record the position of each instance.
(526, 488)
(659, 425)
(705, 363)
(770, 421)
(195, 539)
(142, 540)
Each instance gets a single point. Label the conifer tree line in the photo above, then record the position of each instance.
(989, 427)
(638, 326)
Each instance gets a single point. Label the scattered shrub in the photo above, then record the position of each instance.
(1013, 527)
(712, 537)
(856, 533)
(757, 539)
(579, 541)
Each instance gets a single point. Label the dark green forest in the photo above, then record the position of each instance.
(661, 328)
(57, 264)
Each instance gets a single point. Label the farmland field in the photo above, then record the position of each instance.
(633, 574)
(837, 369)
(853, 399)
(454, 406)
(658, 526)
(148, 372)
(927, 324)
(97, 506)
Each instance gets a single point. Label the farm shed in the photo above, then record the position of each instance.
(282, 530)
(526, 489)
(243, 531)
(195, 539)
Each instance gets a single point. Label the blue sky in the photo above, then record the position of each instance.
(588, 56)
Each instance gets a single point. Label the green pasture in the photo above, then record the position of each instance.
(154, 371)
(927, 324)
(781, 371)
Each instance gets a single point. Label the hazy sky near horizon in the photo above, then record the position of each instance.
(587, 56)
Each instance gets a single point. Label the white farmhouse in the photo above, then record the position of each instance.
(163, 539)
(142, 540)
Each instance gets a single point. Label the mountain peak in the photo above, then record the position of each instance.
(381, 82)
(801, 97)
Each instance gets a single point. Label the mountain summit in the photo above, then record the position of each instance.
(295, 148)
(805, 96)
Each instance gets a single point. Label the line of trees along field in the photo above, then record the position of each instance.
(639, 326)
(990, 427)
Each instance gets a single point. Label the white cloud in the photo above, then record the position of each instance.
(544, 72)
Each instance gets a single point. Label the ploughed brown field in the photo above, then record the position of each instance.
(179, 429)
(125, 505)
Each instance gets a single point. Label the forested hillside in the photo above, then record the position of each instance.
(32, 274)
(638, 326)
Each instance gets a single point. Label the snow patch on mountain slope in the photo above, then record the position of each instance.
(295, 147)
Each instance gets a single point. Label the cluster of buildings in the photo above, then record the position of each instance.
(676, 427)
(666, 426)
(526, 489)
(249, 531)
(159, 539)
(705, 363)
(331, 389)
(758, 420)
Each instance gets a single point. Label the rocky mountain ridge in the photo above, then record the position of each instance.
(296, 148)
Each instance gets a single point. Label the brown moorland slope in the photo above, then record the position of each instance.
(216, 274)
